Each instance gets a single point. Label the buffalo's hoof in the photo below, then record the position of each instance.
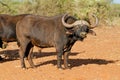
(60, 68)
(24, 68)
(67, 66)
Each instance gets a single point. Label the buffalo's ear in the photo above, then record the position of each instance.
(92, 32)
(69, 31)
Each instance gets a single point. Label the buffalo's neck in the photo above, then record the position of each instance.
(70, 42)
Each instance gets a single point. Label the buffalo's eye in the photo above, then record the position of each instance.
(87, 30)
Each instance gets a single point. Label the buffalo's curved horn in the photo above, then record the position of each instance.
(65, 24)
(78, 22)
(96, 22)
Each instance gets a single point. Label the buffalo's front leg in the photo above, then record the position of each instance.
(59, 59)
(65, 56)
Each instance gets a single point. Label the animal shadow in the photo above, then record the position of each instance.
(79, 62)
(9, 55)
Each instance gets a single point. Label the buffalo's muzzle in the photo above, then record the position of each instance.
(83, 34)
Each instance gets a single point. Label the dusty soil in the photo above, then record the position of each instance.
(96, 58)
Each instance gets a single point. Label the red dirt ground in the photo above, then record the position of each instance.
(96, 58)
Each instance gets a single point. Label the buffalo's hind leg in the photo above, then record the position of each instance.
(23, 50)
(30, 49)
(22, 56)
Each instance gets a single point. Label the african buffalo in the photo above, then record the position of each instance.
(52, 31)
(8, 27)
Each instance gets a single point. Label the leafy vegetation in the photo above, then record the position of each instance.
(104, 9)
